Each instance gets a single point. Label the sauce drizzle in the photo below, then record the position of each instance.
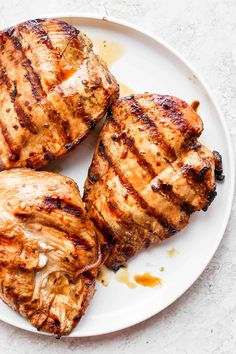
(148, 280)
(123, 277)
(104, 275)
(109, 51)
(125, 90)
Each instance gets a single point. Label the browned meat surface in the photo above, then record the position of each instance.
(148, 173)
(49, 252)
(53, 90)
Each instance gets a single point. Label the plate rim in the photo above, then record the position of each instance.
(231, 155)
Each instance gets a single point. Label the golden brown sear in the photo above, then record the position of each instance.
(53, 91)
(49, 253)
(148, 173)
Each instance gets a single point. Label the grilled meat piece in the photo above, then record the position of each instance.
(148, 173)
(53, 91)
(49, 252)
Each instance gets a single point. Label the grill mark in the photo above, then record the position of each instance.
(55, 118)
(148, 123)
(112, 205)
(37, 28)
(39, 94)
(68, 30)
(85, 118)
(31, 75)
(162, 187)
(165, 189)
(114, 209)
(97, 83)
(24, 119)
(196, 178)
(2, 165)
(196, 181)
(5, 78)
(130, 142)
(132, 191)
(79, 242)
(57, 203)
(171, 109)
(13, 152)
(206, 193)
(74, 238)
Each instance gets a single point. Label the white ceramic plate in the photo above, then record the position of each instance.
(149, 64)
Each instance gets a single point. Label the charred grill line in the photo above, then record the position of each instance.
(130, 142)
(162, 187)
(131, 190)
(148, 123)
(13, 153)
(37, 28)
(39, 94)
(31, 75)
(88, 122)
(166, 191)
(171, 110)
(68, 30)
(57, 203)
(196, 181)
(5, 78)
(80, 242)
(24, 119)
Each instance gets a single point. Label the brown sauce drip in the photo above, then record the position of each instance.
(123, 276)
(148, 280)
(109, 51)
(125, 90)
(172, 252)
(195, 105)
(104, 276)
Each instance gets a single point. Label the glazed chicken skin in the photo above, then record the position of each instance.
(148, 173)
(53, 91)
(49, 252)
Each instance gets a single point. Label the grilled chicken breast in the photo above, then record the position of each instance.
(148, 173)
(53, 90)
(49, 252)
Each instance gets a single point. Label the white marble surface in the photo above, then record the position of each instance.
(204, 319)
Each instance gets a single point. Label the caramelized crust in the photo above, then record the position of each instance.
(49, 252)
(148, 174)
(53, 91)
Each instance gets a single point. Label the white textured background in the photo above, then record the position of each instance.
(204, 319)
